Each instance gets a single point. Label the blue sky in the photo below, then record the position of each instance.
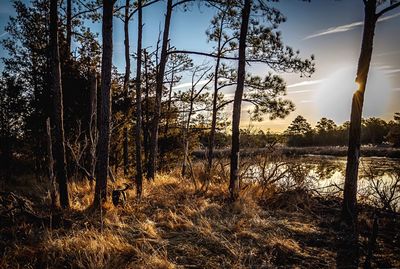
(331, 30)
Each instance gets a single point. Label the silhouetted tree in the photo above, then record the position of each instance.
(234, 172)
(139, 177)
(349, 208)
(105, 105)
(58, 120)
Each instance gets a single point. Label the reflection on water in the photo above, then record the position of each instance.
(379, 178)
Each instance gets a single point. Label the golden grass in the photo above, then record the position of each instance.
(171, 227)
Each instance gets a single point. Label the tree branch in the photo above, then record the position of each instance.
(389, 8)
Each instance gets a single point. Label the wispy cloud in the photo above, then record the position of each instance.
(347, 27)
(189, 84)
(3, 34)
(301, 91)
(304, 83)
(391, 71)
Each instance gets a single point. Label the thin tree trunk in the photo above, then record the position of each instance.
(55, 85)
(52, 180)
(93, 124)
(146, 120)
(159, 87)
(349, 208)
(186, 136)
(105, 107)
(126, 84)
(211, 140)
(69, 27)
(237, 104)
(139, 176)
(169, 104)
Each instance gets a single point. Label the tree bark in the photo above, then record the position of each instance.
(69, 27)
(105, 107)
(93, 124)
(211, 140)
(139, 176)
(126, 83)
(237, 104)
(186, 134)
(349, 207)
(145, 120)
(159, 87)
(55, 85)
(52, 180)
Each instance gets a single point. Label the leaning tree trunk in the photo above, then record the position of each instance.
(58, 124)
(349, 208)
(159, 87)
(105, 107)
(126, 84)
(237, 104)
(139, 176)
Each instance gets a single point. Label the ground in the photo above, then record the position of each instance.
(173, 226)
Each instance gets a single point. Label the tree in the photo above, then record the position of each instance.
(153, 147)
(159, 86)
(139, 177)
(299, 126)
(371, 16)
(394, 130)
(126, 82)
(234, 172)
(225, 18)
(299, 132)
(105, 105)
(192, 97)
(58, 121)
(325, 125)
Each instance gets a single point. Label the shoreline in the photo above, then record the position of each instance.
(366, 151)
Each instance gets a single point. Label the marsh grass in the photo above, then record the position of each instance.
(173, 226)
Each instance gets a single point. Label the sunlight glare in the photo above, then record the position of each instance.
(333, 97)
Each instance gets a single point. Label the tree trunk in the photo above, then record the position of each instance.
(126, 151)
(105, 107)
(349, 207)
(159, 88)
(126, 84)
(69, 27)
(237, 104)
(211, 140)
(52, 180)
(186, 136)
(55, 85)
(93, 124)
(139, 176)
(145, 120)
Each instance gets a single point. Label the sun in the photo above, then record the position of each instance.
(334, 95)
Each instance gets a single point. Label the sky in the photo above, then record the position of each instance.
(330, 30)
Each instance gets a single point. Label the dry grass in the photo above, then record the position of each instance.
(173, 227)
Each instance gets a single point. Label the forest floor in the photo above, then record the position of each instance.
(173, 227)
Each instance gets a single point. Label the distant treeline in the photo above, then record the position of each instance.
(374, 131)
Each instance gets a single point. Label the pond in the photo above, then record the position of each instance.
(379, 178)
